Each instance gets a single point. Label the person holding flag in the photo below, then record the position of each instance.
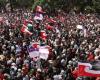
(43, 35)
(25, 30)
(38, 13)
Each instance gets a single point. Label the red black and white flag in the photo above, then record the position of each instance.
(86, 69)
(25, 30)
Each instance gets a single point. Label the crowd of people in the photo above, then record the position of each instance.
(72, 37)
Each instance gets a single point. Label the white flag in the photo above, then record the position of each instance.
(44, 53)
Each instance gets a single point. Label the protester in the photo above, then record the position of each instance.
(70, 37)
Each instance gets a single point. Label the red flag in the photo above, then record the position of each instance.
(84, 69)
(43, 35)
(24, 29)
(35, 45)
(48, 27)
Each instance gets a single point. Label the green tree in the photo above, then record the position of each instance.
(96, 5)
(66, 5)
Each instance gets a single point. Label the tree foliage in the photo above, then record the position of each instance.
(66, 5)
